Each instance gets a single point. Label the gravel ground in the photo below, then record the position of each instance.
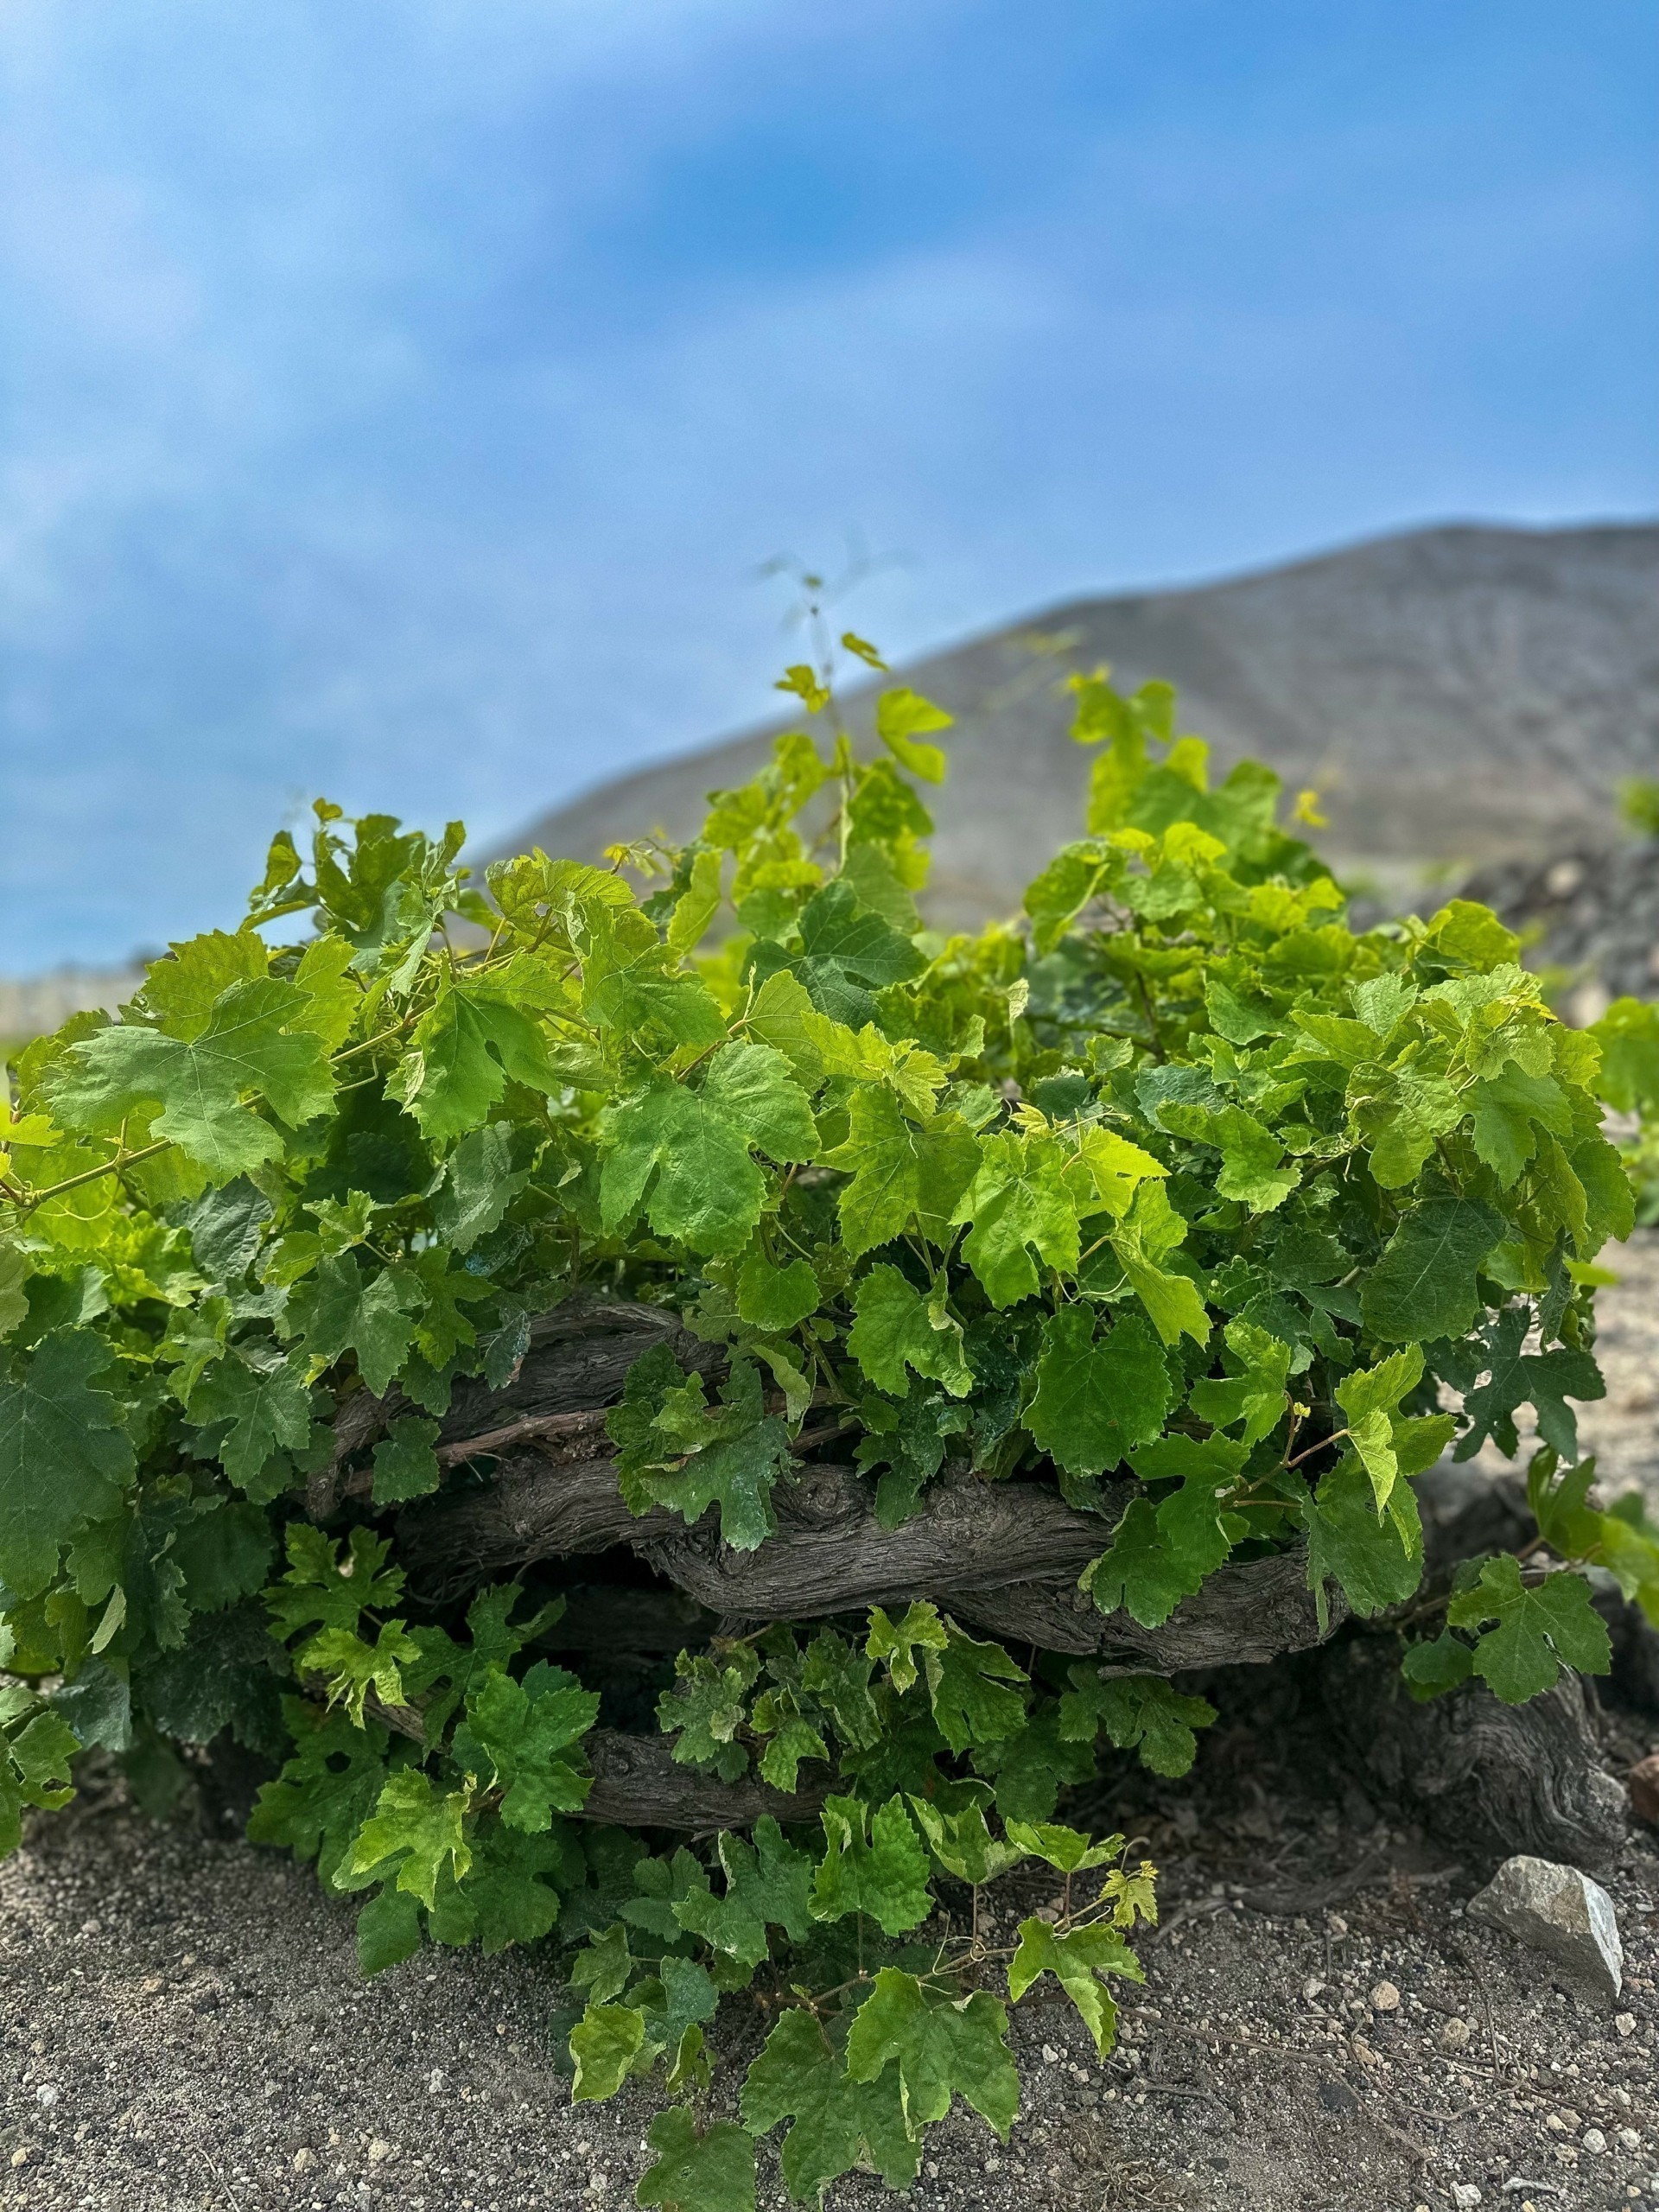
(180, 2024)
(1623, 1428)
(1591, 913)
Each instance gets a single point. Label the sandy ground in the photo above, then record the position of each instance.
(1623, 1428)
(180, 2024)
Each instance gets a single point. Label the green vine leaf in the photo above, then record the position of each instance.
(1097, 1398)
(943, 2047)
(63, 1454)
(254, 1044)
(837, 2122)
(1424, 1286)
(874, 1863)
(1080, 1961)
(898, 1328)
(710, 2170)
(415, 1833)
(902, 1172)
(518, 1738)
(1539, 1630)
(608, 2044)
(768, 1883)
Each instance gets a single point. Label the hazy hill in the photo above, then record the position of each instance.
(1458, 695)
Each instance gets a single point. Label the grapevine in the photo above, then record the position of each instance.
(434, 1347)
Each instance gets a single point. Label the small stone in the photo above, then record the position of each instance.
(1594, 2141)
(1465, 2196)
(47, 2095)
(1625, 2023)
(1312, 1987)
(1560, 1912)
(1643, 1782)
(21, 2155)
(1455, 2033)
(1555, 2123)
(1051, 2056)
(1337, 2096)
(1629, 2139)
(304, 2159)
(1385, 1998)
(379, 2150)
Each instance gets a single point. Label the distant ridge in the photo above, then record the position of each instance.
(1458, 695)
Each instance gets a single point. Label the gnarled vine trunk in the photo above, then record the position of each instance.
(530, 1480)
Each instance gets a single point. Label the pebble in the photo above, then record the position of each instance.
(1465, 2195)
(1455, 2033)
(1560, 1912)
(1594, 2141)
(379, 2150)
(1385, 1998)
(1625, 2024)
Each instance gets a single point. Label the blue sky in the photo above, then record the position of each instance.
(401, 395)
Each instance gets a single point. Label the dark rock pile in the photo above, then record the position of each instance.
(1591, 911)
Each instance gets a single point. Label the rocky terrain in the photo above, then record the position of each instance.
(1461, 698)
(1590, 915)
(1458, 696)
(1325, 2027)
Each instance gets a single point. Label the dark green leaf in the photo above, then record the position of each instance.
(63, 1454)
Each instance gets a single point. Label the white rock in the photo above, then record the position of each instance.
(47, 2093)
(1625, 2024)
(1465, 2196)
(1559, 1911)
(1594, 2141)
(1629, 2139)
(1455, 2033)
(1385, 1998)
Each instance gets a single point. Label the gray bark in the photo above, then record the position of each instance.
(1490, 1779)
(1005, 1556)
(578, 1359)
(1251, 1611)
(637, 1784)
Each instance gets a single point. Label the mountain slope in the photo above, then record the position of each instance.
(1457, 696)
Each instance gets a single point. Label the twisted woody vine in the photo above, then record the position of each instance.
(401, 1308)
